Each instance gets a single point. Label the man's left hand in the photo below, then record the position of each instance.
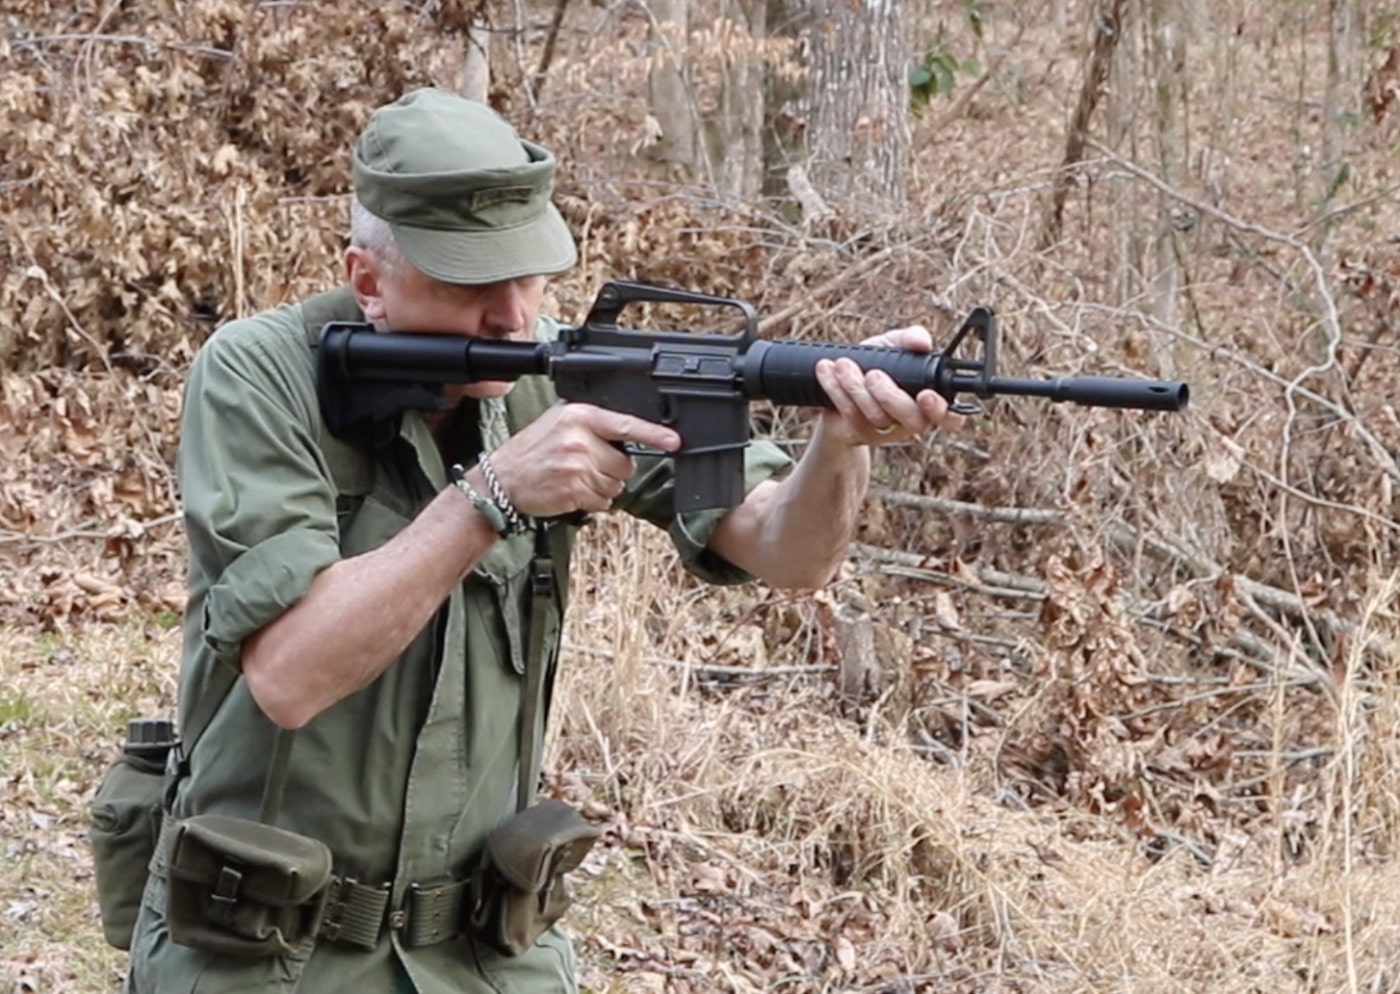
(871, 409)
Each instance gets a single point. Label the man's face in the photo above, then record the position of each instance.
(506, 311)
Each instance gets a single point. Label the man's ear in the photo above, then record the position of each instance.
(365, 274)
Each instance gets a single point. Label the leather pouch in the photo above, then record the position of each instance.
(521, 890)
(244, 888)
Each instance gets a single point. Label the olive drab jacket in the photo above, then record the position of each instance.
(403, 779)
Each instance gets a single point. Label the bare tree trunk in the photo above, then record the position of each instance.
(1340, 102)
(845, 126)
(550, 40)
(1126, 263)
(734, 133)
(1215, 158)
(476, 70)
(1107, 26)
(679, 147)
(1169, 78)
(857, 98)
(468, 61)
(784, 124)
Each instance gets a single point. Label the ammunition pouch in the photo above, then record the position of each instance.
(124, 824)
(243, 888)
(519, 889)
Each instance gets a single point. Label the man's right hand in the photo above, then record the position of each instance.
(570, 459)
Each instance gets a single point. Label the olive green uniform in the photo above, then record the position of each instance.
(403, 779)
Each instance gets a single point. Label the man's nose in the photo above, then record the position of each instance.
(505, 311)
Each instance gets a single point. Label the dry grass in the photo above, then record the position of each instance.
(744, 811)
(758, 836)
(64, 701)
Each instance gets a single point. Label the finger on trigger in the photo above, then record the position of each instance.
(632, 429)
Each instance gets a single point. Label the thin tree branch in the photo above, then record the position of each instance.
(40, 41)
(550, 40)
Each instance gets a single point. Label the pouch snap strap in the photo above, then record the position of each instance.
(223, 898)
(355, 913)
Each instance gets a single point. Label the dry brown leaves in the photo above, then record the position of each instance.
(86, 499)
(156, 164)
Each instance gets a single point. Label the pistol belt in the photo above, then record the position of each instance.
(357, 914)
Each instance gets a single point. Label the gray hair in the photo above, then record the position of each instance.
(370, 231)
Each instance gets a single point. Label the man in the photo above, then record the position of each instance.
(358, 596)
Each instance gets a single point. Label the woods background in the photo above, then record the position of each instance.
(1104, 701)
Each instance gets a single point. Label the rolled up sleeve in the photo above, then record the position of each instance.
(260, 505)
(260, 585)
(651, 496)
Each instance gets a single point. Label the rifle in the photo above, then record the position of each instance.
(699, 384)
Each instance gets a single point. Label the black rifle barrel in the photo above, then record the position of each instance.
(1098, 391)
(784, 372)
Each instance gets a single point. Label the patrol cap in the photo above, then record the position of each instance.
(468, 200)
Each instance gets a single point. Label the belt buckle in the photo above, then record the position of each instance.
(336, 902)
(344, 891)
(431, 912)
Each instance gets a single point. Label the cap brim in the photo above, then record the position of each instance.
(540, 247)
